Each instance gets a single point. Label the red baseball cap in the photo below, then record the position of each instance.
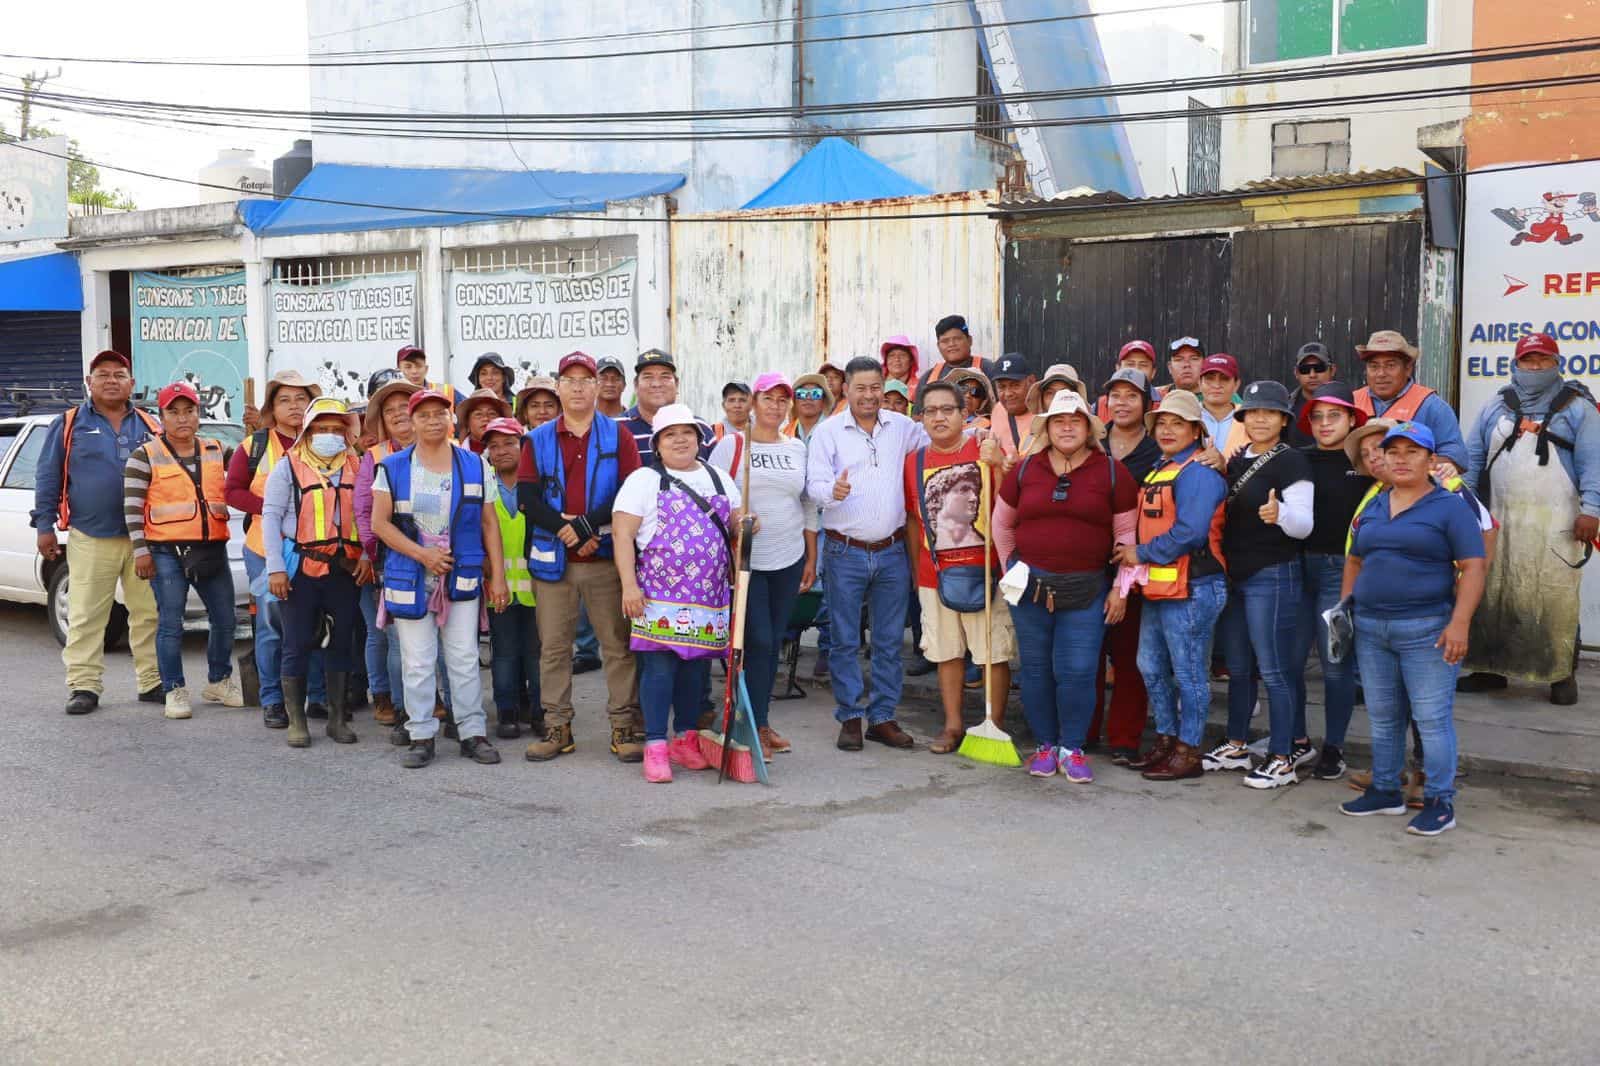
(1220, 364)
(110, 353)
(572, 359)
(410, 351)
(1137, 346)
(509, 426)
(1540, 343)
(178, 390)
(422, 396)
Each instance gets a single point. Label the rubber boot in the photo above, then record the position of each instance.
(339, 730)
(294, 702)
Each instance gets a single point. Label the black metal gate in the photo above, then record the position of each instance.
(41, 361)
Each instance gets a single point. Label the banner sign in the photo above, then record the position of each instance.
(338, 333)
(33, 190)
(192, 329)
(532, 320)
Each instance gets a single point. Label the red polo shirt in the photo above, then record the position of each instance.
(575, 462)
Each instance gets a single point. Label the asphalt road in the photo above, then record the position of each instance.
(196, 892)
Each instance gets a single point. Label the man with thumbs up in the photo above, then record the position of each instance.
(854, 470)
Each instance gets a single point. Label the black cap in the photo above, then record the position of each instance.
(655, 357)
(950, 322)
(609, 362)
(1313, 350)
(1011, 367)
(736, 386)
(1264, 396)
(380, 378)
(490, 359)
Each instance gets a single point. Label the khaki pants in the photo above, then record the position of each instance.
(96, 565)
(597, 586)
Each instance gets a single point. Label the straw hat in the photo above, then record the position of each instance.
(483, 398)
(374, 421)
(1352, 443)
(283, 379)
(1180, 402)
(1065, 402)
(1057, 372)
(1387, 342)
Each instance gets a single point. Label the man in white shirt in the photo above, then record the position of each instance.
(856, 470)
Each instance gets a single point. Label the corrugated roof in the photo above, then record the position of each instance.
(1077, 198)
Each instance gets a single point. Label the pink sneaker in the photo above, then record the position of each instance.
(685, 752)
(657, 765)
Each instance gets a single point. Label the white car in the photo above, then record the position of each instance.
(25, 575)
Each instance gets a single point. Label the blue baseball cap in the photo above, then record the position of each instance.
(1415, 432)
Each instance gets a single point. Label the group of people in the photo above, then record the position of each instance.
(1130, 542)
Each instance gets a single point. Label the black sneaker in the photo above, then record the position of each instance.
(316, 710)
(273, 716)
(478, 749)
(1123, 756)
(153, 695)
(507, 729)
(420, 754)
(585, 664)
(920, 666)
(82, 701)
(1302, 753)
(1330, 767)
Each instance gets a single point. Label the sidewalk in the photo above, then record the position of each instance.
(1516, 731)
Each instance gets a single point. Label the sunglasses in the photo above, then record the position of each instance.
(1312, 366)
(808, 392)
(1063, 483)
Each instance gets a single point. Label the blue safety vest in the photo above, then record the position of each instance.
(404, 582)
(547, 556)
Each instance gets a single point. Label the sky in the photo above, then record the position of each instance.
(234, 29)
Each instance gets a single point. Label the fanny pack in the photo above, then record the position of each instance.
(203, 561)
(1064, 592)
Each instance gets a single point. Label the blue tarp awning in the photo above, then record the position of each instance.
(336, 197)
(41, 283)
(832, 172)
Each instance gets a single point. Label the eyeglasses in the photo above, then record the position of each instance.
(1327, 416)
(118, 376)
(941, 409)
(808, 392)
(1063, 483)
(579, 382)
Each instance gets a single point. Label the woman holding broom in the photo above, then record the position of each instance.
(1061, 510)
(679, 514)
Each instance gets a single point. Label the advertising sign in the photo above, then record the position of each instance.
(192, 329)
(337, 333)
(33, 190)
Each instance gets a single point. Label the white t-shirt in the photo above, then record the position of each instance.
(639, 493)
(778, 495)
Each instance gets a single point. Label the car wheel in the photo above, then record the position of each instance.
(56, 608)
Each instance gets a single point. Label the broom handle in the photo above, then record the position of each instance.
(988, 592)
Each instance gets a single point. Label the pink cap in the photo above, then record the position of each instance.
(423, 396)
(503, 425)
(1220, 364)
(773, 379)
(572, 359)
(178, 390)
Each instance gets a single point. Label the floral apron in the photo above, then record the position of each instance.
(683, 573)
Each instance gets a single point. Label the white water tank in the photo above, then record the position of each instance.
(234, 175)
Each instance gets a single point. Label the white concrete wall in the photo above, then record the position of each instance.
(1153, 52)
(1381, 135)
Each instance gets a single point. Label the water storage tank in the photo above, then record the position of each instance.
(235, 175)
(290, 167)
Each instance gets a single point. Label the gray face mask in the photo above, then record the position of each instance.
(1535, 388)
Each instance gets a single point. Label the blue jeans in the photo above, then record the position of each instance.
(882, 581)
(269, 639)
(171, 591)
(1175, 657)
(670, 686)
(514, 668)
(334, 595)
(376, 652)
(1060, 652)
(1399, 663)
(766, 620)
(820, 619)
(1260, 631)
(1323, 574)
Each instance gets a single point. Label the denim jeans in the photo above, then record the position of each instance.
(882, 581)
(422, 643)
(376, 650)
(820, 619)
(171, 590)
(334, 595)
(670, 685)
(514, 667)
(1323, 574)
(1399, 663)
(1175, 657)
(766, 620)
(1261, 632)
(269, 639)
(1060, 652)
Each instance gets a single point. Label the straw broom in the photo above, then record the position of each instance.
(987, 742)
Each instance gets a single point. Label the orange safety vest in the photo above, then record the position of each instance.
(172, 506)
(1236, 442)
(319, 540)
(258, 485)
(1158, 513)
(1405, 406)
(63, 510)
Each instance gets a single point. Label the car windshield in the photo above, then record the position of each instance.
(228, 434)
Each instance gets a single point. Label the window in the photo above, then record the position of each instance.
(1281, 30)
(1205, 148)
(990, 113)
(8, 437)
(1317, 146)
(23, 467)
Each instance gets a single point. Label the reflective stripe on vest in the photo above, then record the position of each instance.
(547, 556)
(1403, 409)
(404, 582)
(68, 417)
(172, 503)
(325, 523)
(513, 526)
(1158, 513)
(258, 486)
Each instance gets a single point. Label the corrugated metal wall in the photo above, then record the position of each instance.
(780, 290)
(40, 352)
(1256, 294)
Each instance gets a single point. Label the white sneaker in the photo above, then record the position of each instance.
(1278, 772)
(1226, 756)
(226, 692)
(178, 704)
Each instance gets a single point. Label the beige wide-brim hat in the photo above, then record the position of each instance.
(330, 405)
(1180, 402)
(1065, 402)
(1057, 372)
(482, 398)
(374, 420)
(1352, 443)
(1387, 342)
(283, 378)
(828, 398)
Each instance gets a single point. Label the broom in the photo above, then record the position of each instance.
(987, 742)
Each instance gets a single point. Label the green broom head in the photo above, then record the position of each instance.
(988, 743)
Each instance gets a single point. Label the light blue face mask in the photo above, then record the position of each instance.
(327, 445)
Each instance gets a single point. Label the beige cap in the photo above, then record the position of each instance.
(1352, 443)
(1180, 402)
(1065, 402)
(1057, 372)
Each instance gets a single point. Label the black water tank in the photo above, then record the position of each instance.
(290, 167)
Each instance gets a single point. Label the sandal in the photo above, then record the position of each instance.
(948, 741)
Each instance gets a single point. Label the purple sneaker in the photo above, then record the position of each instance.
(1043, 763)
(1076, 766)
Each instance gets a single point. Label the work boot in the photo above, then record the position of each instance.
(273, 716)
(420, 754)
(506, 727)
(294, 702)
(399, 735)
(1183, 763)
(383, 709)
(82, 701)
(339, 730)
(623, 744)
(636, 720)
(1158, 753)
(557, 741)
(1565, 693)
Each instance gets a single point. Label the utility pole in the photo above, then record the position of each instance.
(31, 83)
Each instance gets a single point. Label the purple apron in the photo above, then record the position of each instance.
(683, 573)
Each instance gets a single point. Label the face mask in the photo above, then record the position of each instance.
(327, 445)
(1535, 382)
